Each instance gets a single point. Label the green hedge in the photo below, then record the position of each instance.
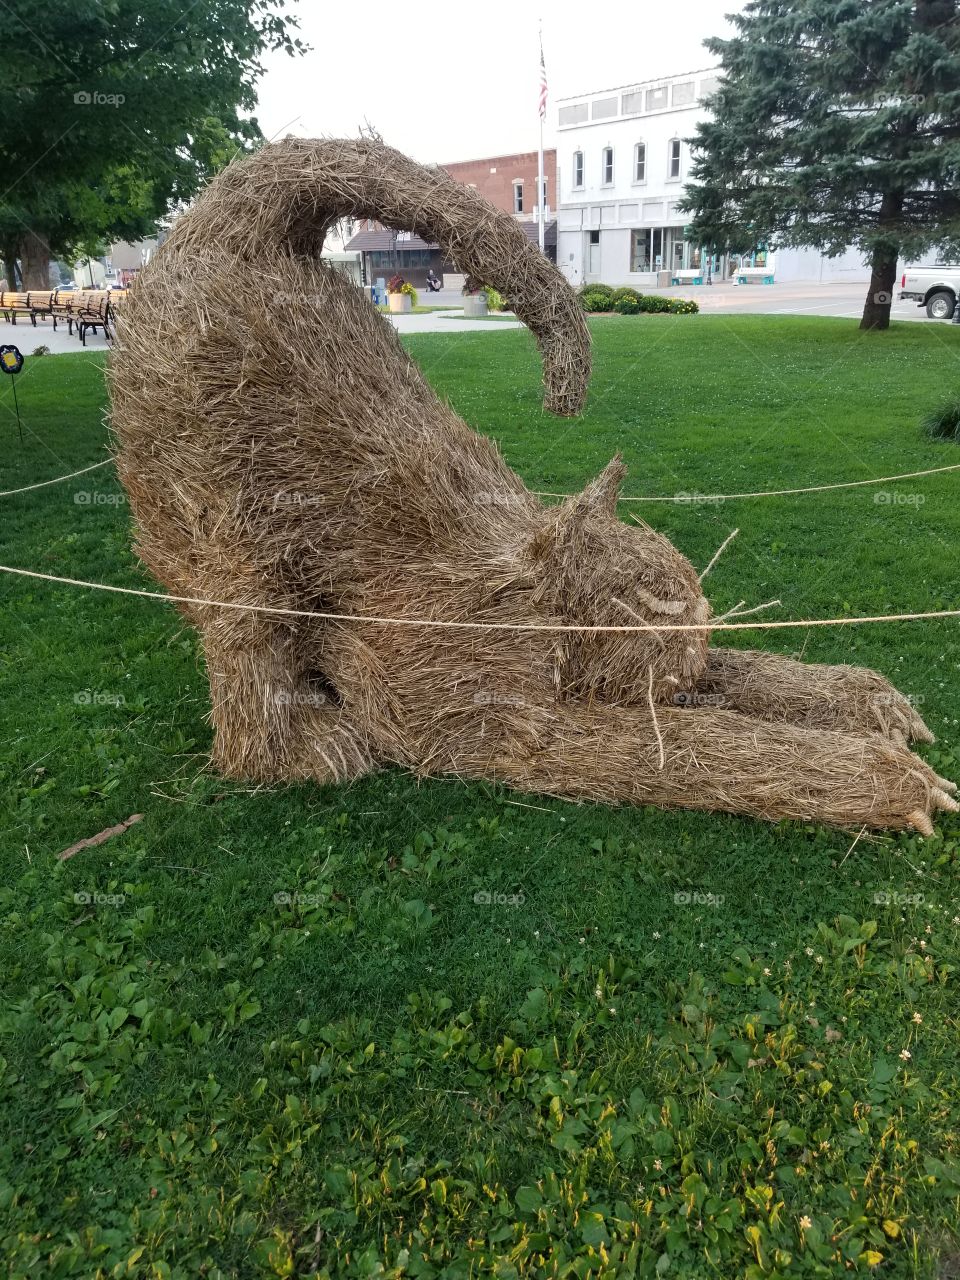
(628, 302)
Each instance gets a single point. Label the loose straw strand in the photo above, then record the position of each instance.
(656, 722)
(718, 553)
(737, 612)
(441, 623)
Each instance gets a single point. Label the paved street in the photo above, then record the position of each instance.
(793, 299)
(807, 298)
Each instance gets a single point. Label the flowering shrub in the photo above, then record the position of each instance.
(596, 300)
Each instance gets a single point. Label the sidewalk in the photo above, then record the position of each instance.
(452, 322)
(27, 338)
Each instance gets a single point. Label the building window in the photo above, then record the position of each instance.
(518, 197)
(683, 94)
(578, 169)
(640, 162)
(607, 167)
(646, 249)
(673, 168)
(574, 115)
(604, 108)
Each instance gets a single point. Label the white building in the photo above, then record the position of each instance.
(622, 162)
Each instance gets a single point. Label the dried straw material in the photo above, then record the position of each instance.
(281, 450)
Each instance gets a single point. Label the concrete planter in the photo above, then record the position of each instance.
(475, 305)
(400, 303)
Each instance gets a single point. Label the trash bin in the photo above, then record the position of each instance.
(664, 279)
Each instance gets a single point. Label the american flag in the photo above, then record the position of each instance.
(543, 84)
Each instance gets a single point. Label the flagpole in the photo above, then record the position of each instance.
(540, 200)
(540, 188)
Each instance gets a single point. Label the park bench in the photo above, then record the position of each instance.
(691, 275)
(87, 309)
(41, 302)
(64, 306)
(13, 305)
(93, 312)
(762, 274)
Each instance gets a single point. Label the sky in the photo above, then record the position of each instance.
(459, 80)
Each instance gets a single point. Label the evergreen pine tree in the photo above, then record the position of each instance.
(836, 124)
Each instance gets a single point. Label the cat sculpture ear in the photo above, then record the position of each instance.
(566, 532)
(600, 496)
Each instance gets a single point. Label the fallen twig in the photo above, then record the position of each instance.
(100, 837)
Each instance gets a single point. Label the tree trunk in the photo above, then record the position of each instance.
(883, 275)
(35, 261)
(8, 268)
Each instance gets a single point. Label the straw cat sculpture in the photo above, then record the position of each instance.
(280, 449)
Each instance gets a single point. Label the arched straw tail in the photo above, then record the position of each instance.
(295, 189)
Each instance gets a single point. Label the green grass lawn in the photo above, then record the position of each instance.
(273, 1033)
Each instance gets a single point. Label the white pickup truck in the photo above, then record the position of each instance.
(936, 288)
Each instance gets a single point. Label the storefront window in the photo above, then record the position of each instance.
(646, 249)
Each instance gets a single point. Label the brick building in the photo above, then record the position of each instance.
(509, 182)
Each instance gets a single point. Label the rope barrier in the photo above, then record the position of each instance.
(7, 493)
(694, 498)
(690, 498)
(440, 623)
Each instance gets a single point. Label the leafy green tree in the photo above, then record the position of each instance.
(836, 124)
(116, 111)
